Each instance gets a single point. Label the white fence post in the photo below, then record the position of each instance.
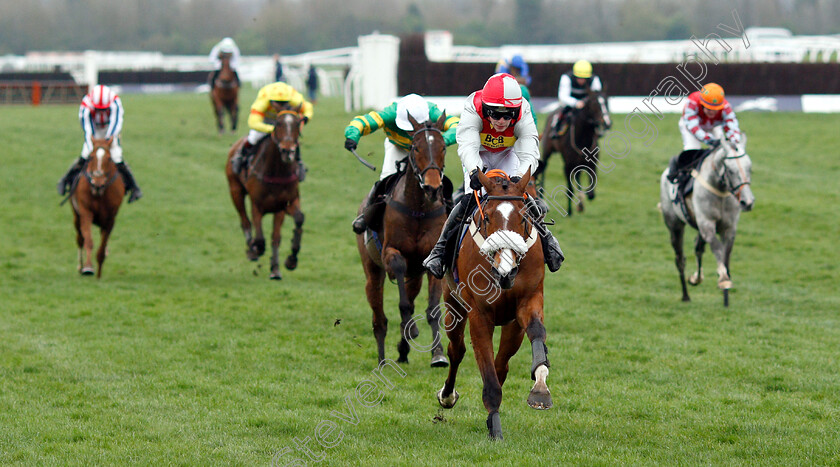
(379, 55)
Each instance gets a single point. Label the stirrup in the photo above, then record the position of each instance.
(359, 225)
(135, 195)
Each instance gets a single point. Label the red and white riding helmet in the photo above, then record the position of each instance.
(102, 97)
(502, 90)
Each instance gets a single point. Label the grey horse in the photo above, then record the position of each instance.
(721, 191)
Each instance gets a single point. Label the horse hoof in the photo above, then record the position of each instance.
(725, 285)
(291, 263)
(539, 400)
(447, 402)
(686, 298)
(439, 361)
(252, 255)
(494, 426)
(275, 276)
(86, 271)
(695, 279)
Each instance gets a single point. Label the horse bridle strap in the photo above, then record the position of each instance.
(402, 208)
(707, 185)
(432, 166)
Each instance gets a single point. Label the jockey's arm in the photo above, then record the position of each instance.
(564, 92)
(527, 145)
(116, 122)
(468, 138)
(87, 126)
(730, 125)
(691, 118)
(256, 119)
(596, 84)
(363, 125)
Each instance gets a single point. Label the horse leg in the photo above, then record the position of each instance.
(257, 244)
(570, 193)
(373, 290)
(511, 340)
(80, 239)
(297, 215)
(481, 334)
(677, 230)
(275, 245)
(454, 323)
(699, 248)
(395, 263)
(708, 231)
(577, 186)
(530, 317)
(237, 194)
(102, 253)
(85, 226)
(433, 318)
(234, 115)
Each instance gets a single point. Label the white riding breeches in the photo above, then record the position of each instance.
(506, 161)
(116, 149)
(393, 155)
(689, 140)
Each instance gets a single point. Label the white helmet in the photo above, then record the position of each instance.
(415, 106)
(102, 96)
(227, 45)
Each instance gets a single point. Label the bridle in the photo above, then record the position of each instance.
(285, 153)
(734, 190)
(479, 232)
(413, 160)
(95, 188)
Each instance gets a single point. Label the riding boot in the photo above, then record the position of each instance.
(673, 169)
(302, 169)
(240, 159)
(437, 260)
(551, 250)
(68, 178)
(130, 183)
(562, 124)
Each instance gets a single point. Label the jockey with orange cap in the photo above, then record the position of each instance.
(271, 99)
(705, 109)
(101, 115)
(393, 120)
(496, 131)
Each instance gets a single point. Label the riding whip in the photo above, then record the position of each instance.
(366, 163)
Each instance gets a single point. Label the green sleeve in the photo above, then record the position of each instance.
(449, 126)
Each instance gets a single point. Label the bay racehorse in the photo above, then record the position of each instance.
(577, 144)
(271, 181)
(96, 200)
(501, 269)
(224, 95)
(414, 215)
(721, 191)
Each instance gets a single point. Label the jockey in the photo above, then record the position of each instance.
(225, 46)
(518, 68)
(394, 120)
(271, 99)
(101, 116)
(705, 109)
(572, 91)
(496, 132)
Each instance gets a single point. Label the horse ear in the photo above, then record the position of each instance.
(412, 121)
(522, 184)
(441, 121)
(485, 180)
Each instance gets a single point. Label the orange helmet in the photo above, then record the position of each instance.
(711, 96)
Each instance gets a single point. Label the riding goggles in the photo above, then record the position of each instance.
(500, 114)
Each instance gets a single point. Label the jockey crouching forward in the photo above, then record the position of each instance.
(572, 90)
(496, 131)
(394, 120)
(226, 46)
(271, 100)
(705, 110)
(101, 116)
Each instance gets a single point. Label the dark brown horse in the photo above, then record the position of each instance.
(413, 219)
(501, 272)
(577, 144)
(271, 181)
(96, 200)
(224, 95)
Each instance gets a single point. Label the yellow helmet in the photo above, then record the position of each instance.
(582, 69)
(280, 92)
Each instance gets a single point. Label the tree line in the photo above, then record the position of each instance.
(297, 26)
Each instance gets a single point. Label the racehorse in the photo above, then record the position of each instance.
(271, 181)
(721, 191)
(414, 215)
(225, 95)
(578, 145)
(96, 199)
(501, 272)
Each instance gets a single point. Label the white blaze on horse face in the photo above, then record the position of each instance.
(505, 209)
(100, 153)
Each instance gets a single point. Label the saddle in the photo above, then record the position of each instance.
(679, 174)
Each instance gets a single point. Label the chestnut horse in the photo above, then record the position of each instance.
(578, 145)
(414, 216)
(96, 199)
(271, 181)
(225, 95)
(501, 268)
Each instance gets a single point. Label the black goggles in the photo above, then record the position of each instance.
(500, 114)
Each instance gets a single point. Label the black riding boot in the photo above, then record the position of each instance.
(68, 178)
(302, 169)
(130, 183)
(562, 124)
(240, 159)
(437, 259)
(554, 257)
(359, 223)
(673, 169)
(211, 78)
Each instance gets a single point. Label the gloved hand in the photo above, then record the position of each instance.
(713, 142)
(350, 144)
(475, 183)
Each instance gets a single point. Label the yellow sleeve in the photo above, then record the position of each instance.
(256, 119)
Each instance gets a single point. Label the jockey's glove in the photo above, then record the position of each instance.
(713, 142)
(350, 144)
(475, 183)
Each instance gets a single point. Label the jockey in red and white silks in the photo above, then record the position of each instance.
(705, 110)
(101, 116)
(510, 144)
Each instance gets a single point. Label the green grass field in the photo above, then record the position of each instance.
(186, 354)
